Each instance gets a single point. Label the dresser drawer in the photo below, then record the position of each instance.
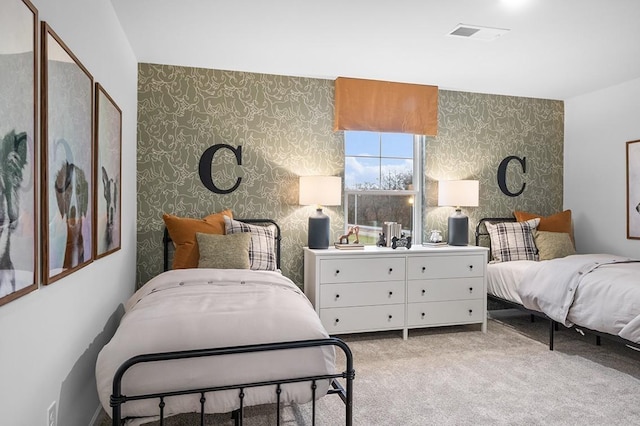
(444, 313)
(362, 318)
(427, 267)
(445, 289)
(361, 294)
(362, 270)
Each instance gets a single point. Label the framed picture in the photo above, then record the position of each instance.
(67, 158)
(633, 190)
(108, 168)
(18, 171)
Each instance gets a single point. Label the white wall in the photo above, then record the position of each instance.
(49, 339)
(597, 127)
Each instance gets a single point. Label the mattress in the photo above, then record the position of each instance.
(503, 278)
(189, 309)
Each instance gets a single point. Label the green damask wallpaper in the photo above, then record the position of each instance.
(284, 125)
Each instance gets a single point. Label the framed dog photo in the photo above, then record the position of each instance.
(107, 168)
(67, 156)
(18, 101)
(633, 190)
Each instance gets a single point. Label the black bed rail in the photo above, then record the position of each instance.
(166, 240)
(117, 399)
(481, 228)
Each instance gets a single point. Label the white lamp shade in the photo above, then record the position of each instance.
(458, 193)
(320, 190)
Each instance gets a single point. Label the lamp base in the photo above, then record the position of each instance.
(318, 230)
(458, 229)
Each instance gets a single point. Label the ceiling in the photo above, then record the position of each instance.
(555, 49)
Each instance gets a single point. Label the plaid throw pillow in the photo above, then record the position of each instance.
(513, 240)
(262, 250)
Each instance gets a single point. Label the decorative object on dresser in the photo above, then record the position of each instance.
(458, 193)
(321, 191)
(380, 289)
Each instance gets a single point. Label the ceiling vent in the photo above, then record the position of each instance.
(477, 33)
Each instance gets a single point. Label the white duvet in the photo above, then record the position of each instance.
(208, 308)
(597, 291)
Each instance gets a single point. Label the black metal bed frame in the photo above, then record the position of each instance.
(345, 392)
(166, 239)
(553, 325)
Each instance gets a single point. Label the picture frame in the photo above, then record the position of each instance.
(18, 145)
(107, 173)
(67, 158)
(633, 190)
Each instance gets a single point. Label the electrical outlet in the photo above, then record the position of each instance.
(51, 415)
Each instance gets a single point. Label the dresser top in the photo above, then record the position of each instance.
(416, 249)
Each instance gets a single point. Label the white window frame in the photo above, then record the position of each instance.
(419, 142)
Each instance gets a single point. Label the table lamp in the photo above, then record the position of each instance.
(458, 193)
(321, 191)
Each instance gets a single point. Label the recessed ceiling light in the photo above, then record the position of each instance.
(476, 32)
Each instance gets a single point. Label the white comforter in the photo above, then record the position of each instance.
(597, 291)
(206, 308)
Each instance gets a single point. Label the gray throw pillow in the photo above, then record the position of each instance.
(224, 251)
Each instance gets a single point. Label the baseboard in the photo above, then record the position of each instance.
(97, 418)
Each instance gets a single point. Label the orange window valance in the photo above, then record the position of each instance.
(383, 106)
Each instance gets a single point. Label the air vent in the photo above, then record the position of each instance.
(477, 33)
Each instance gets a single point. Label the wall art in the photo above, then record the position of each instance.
(18, 171)
(633, 190)
(108, 171)
(67, 158)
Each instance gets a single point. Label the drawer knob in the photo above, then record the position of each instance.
(390, 293)
(423, 291)
(470, 289)
(470, 312)
(337, 320)
(390, 270)
(424, 268)
(471, 267)
(337, 296)
(423, 315)
(337, 271)
(390, 316)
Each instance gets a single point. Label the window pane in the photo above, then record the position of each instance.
(397, 145)
(396, 174)
(370, 212)
(361, 173)
(362, 143)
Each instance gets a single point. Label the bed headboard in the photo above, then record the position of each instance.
(481, 229)
(166, 239)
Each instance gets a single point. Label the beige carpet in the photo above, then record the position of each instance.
(460, 376)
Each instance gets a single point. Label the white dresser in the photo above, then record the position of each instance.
(380, 288)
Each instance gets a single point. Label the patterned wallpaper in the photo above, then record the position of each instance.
(284, 125)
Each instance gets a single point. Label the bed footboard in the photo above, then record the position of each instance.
(345, 392)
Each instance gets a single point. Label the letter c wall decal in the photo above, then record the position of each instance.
(502, 175)
(205, 166)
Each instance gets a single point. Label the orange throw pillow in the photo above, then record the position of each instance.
(182, 231)
(559, 222)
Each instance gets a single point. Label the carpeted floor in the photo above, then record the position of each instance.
(460, 376)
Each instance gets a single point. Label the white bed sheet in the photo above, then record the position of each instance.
(503, 278)
(579, 289)
(205, 308)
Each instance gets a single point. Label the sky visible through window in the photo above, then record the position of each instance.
(371, 155)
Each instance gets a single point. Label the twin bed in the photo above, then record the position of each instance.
(594, 293)
(216, 340)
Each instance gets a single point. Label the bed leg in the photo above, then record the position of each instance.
(533, 318)
(598, 341)
(552, 327)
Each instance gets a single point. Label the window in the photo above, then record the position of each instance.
(382, 182)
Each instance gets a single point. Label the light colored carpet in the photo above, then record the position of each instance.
(460, 376)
